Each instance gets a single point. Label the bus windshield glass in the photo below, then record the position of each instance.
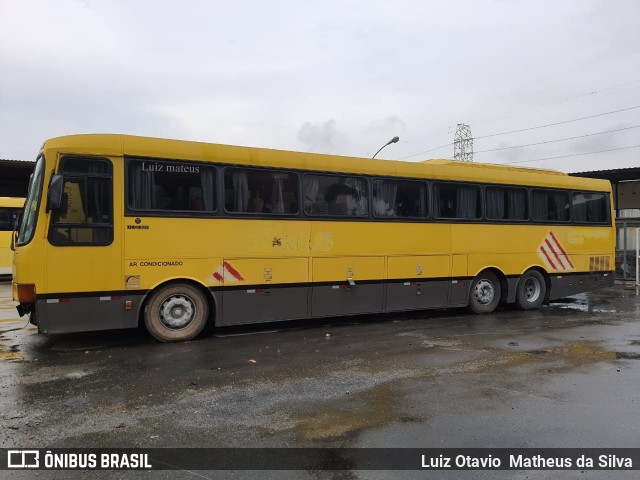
(30, 214)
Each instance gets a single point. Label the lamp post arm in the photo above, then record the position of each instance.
(380, 150)
(393, 140)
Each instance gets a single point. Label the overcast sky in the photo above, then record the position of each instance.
(328, 76)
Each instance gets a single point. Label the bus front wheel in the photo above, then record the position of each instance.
(484, 294)
(531, 290)
(176, 312)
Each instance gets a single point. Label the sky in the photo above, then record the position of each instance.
(339, 77)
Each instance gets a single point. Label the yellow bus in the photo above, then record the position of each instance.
(119, 230)
(10, 208)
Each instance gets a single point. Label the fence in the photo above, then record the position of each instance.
(626, 238)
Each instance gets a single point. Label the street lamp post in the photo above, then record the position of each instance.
(393, 140)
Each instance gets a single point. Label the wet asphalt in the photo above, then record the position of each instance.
(567, 375)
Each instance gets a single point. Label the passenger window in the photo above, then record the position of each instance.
(506, 203)
(590, 207)
(457, 201)
(550, 206)
(171, 186)
(399, 199)
(265, 192)
(335, 195)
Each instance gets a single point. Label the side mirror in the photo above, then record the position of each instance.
(54, 195)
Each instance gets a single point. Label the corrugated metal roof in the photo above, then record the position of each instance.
(614, 175)
(17, 163)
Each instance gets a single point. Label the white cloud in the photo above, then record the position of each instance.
(335, 76)
(324, 137)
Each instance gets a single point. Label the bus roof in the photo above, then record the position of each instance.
(129, 145)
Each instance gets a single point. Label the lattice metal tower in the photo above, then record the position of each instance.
(463, 144)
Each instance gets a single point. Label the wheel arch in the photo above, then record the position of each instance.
(502, 278)
(207, 292)
(545, 275)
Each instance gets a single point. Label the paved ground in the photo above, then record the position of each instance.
(565, 376)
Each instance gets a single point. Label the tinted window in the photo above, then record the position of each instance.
(8, 217)
(335, 195)
(86, 216)
(257, 191)
(173, 186)
(452, 200)
(399, 198)
(550, 205)
(86, 166)
(590, 207)
(506, 203)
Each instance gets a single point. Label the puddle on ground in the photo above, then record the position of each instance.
(347, 417)
(586, 351)
(429, 341)
(627, 356)
(342, 418)
(582, 303)
(10, 353)
(379, 405)
(371, 408)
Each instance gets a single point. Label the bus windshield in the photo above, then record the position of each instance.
(27, 227)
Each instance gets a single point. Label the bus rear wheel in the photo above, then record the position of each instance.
(531, 290)
(484, 294)
(176, 312)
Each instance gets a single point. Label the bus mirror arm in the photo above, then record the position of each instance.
(14, 233)
(54, 194)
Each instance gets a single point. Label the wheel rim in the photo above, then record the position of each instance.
(532, 289)
(177, 312)
(484, 291)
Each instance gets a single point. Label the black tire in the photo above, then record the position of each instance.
(176, 312)
(531, 290)
(484, 295)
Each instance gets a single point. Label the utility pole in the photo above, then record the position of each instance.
(463, 144)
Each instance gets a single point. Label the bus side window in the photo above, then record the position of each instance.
(399, 198)
(197, 203)
(445, 200)
(337, 195)
(259, 191)
(165, 186)
(550, 205)
(86, 216)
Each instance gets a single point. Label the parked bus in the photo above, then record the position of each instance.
(10, 208)
(119, 230)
